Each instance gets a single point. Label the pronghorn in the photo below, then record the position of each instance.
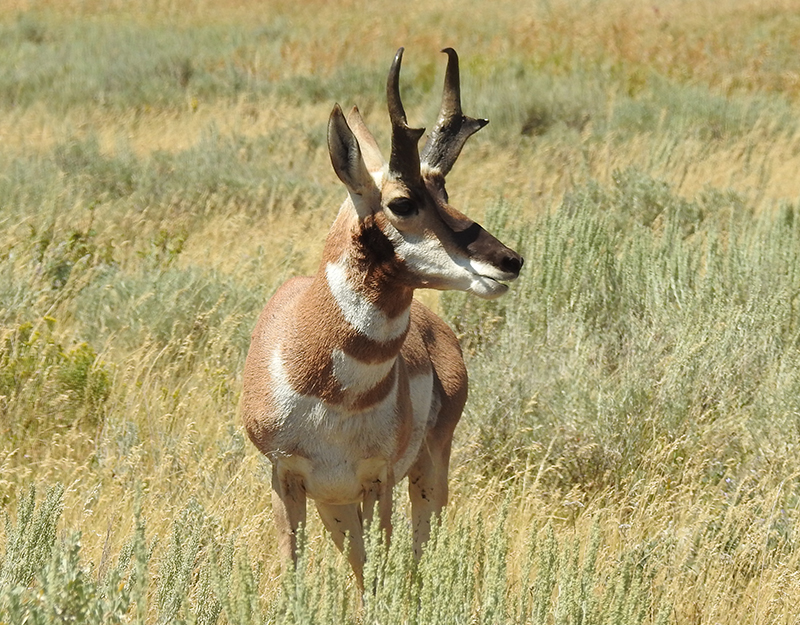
(350, 384)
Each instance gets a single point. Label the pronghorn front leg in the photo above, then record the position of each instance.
(379, 494)
(345, 526)
(427, 489)
(289, 508)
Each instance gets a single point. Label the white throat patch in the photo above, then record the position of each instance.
(362, 315)
(356, 376)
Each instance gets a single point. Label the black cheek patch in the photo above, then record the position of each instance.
(375, 246)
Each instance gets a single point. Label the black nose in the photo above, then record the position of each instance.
(512, 263)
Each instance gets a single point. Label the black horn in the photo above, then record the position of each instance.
(453, 128)
(404, 160)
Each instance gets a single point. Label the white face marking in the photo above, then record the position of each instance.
(428, 257)
(359, 312)
(356, 376)
(485, 279)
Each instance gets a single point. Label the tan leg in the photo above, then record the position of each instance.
(427, 488)
(345, 525)
(289, 508)
(379, 495)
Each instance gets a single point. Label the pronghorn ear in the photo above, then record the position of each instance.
(373, 158)
(366, 141)
(346, 156)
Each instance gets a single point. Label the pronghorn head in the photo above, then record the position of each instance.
(405, 222)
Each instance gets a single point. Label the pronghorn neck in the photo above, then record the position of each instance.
(351, 324)
(370, 312)
(363, 272)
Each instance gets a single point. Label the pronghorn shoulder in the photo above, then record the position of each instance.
(273, 323)
(286, 295)
(258, 386)
(430, 341)
(442, 350)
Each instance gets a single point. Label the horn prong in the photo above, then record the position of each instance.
(396, 111)
(404, 159)
(451, 97)
(453, 128)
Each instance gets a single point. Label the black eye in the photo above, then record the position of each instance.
(403, 206)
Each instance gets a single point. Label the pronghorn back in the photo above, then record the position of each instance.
(350, 384)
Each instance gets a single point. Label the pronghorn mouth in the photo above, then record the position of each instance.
(488, 287)
(499, 277)
(500, 281)
(496, 276)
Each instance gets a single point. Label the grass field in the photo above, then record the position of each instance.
(630, 452)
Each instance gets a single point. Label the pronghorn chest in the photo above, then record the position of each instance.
(350, 394)
(340, 448)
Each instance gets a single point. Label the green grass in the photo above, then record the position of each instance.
(643, 317)
(629, 449)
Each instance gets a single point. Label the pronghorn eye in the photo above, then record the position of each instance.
(403, 206)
